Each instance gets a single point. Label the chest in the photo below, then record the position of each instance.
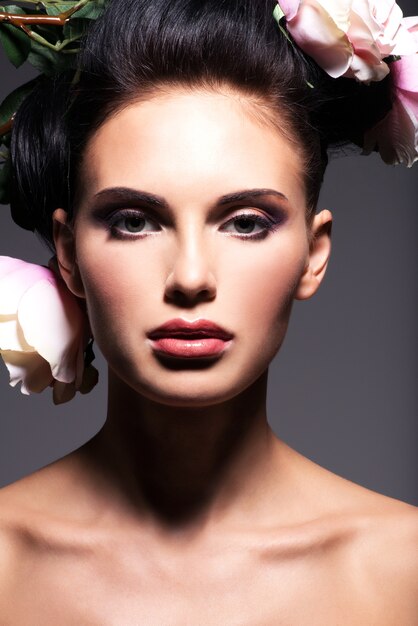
(239, 589)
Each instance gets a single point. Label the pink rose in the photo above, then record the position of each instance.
(396, 136)
(43, 331)
(349, 37)
(389, 28)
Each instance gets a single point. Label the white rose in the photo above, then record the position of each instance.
(43, 331)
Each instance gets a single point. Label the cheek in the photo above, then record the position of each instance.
(258, 296)
(264, 282)
(114, 283)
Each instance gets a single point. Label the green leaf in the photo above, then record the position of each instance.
(91, 11)
(59, 7)
(48, 61)
(13, 8)
(15, 44)
(14, 41)
(278, 13)
(12, 102)
(75, 29)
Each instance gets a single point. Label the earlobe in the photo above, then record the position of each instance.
(319, 253)
(65, 248)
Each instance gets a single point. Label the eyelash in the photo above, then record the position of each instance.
(120, 215)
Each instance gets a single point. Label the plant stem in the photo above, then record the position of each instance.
(21, 21)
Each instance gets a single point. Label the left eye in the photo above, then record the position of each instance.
(247, 224)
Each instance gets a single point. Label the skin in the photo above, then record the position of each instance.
(186, 508)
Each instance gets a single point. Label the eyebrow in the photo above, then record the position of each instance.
(128, 194)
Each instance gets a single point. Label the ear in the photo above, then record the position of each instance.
(319, 252)
(65, 247)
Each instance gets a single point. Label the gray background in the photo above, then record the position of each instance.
(342, 390)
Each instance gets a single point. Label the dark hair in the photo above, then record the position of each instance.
(139, 46)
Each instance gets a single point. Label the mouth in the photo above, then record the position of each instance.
(198, 339)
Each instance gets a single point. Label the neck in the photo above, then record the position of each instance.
(184, 467)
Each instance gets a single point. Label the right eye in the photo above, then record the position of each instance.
(133, 222)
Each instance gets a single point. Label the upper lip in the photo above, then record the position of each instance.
(182, 328)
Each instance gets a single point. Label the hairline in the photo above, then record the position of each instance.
(256, 106)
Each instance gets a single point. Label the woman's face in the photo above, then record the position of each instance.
(191, 209)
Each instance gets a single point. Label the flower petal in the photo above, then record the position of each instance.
(404, 74)
(62, 392)
(391, 28)
(363, 68)
(395, 137)
(367, 64)
(53, 323)
(411, 24)
(43, 331)
(383, 10)
(14, 284)
(406, 40)
(361, 12)
(319, 36)
(9, 264)
(338, 11)
(289, 8)
(90, 379)
(28, 368)
(11, 335)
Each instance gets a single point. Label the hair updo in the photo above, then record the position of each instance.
(139, 46)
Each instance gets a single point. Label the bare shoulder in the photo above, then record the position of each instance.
(385, 536)
(25, 511)
(390, 545)
(375, 546)
(23, 520)
(382, 561)
(11, 548)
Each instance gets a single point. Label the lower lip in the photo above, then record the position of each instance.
(190, 347)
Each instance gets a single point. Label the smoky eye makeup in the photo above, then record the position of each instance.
(132, 223)
(255, 217)
(136, 215)
(252, 225)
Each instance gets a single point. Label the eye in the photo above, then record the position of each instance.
(249, 226)
(132, 222)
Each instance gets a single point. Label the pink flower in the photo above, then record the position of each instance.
(396, 136)
(43, 331)
(349, 37)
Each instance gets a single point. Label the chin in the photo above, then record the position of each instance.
(190, 389)
(191, 395)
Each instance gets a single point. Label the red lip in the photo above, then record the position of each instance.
(183, 329)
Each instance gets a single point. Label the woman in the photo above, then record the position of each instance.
(194, 146)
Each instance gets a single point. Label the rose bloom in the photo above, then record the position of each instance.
(349, 37)
(396, 136)
(43, 331)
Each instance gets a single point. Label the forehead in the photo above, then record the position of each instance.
(187, 145)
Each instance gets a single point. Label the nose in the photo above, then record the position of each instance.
(191, 278)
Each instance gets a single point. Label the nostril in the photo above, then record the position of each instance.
(189, 297)
(190, 282)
